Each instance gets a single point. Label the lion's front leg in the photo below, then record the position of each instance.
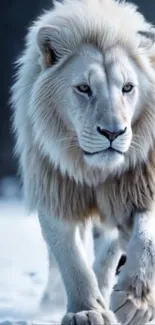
(107, 256)
(133, 298)
(86, 305)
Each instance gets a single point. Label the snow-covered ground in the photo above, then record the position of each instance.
(24, 267)
(24, 264)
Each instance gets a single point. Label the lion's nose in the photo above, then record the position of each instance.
(111, 136)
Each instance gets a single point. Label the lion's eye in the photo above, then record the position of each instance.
(127, 88)
(84, 88)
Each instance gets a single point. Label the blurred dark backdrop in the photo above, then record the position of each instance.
(16, 15)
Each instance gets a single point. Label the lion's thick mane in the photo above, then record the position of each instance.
(54, 180)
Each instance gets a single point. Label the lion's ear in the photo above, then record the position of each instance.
(50, 42)
(146, 38)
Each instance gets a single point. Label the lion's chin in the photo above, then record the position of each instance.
(109, 159)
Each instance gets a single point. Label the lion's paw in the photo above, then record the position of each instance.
(130, 310)
(90, 318)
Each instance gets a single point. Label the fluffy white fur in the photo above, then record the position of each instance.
(68, 171)
(79, 20)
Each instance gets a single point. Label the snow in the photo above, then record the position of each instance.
(23, 264)
(24, 270)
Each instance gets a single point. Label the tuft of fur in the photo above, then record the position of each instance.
(55, 176)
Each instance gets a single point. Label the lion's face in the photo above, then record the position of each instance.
(87, 103)
(103, 99)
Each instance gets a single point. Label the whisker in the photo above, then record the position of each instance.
(71, 147)
(137, 144)
(89, 135)
(93, 143)
(135, 148)
(69, 139)
(136, 136)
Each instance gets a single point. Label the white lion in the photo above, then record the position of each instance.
(84, 117)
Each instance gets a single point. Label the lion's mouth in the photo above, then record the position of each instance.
(108, 150)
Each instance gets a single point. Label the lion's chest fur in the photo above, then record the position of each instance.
(118, 199)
